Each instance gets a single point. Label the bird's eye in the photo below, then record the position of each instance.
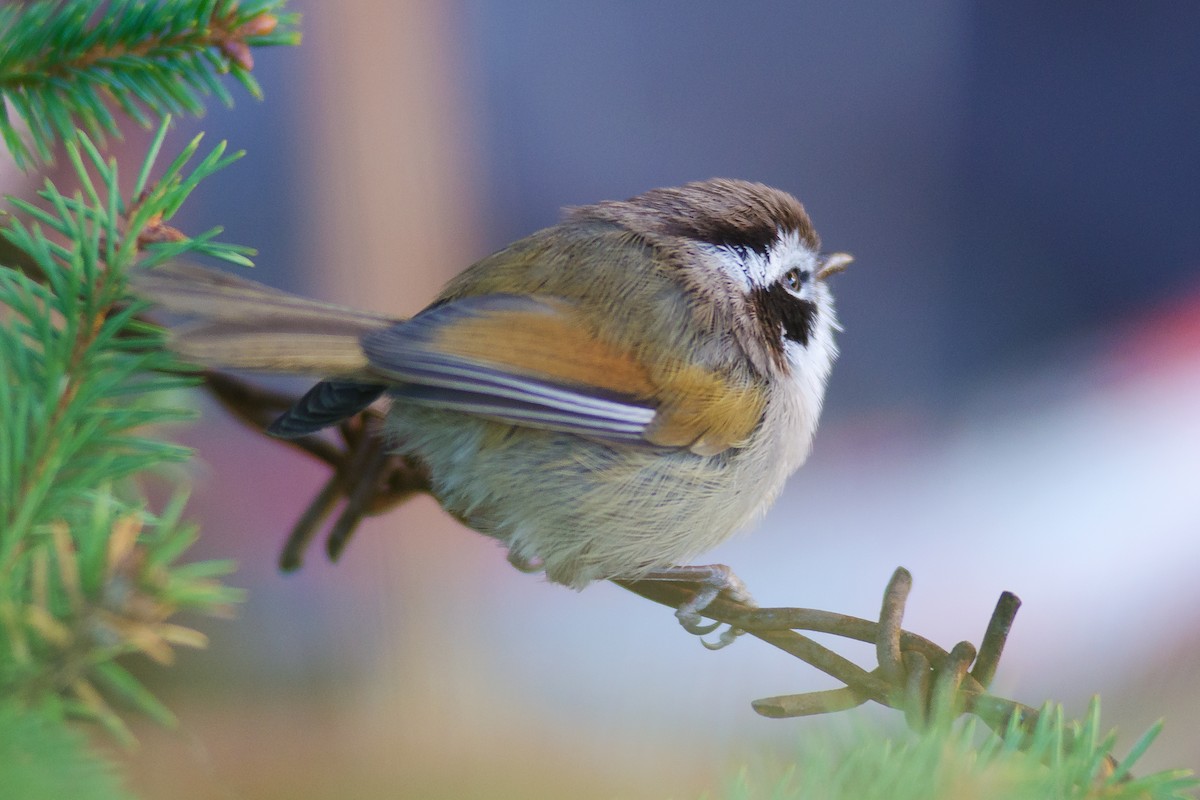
(794, 278)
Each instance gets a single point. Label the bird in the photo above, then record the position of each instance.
(608, 397)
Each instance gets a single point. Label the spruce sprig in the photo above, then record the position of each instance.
(1059, 760)
(88, 574)
(65, 64)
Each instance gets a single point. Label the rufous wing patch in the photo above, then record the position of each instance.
(554, 347)
(537, 362)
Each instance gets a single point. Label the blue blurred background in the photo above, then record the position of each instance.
(1015, 407)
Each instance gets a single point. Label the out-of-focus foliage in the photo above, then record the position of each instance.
(31, 739)
(1058, 760)
(90, 574)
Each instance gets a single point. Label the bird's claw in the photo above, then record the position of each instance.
(714, 580)
(690, 620)
(727, 637)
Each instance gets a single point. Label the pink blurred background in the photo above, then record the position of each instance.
(1016, 405)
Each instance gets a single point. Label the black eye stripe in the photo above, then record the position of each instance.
(782, 315)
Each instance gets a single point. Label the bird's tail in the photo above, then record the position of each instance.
(235, 323)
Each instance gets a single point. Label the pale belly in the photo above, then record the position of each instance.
(586, 511)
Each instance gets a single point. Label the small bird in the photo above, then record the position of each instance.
(608, 397)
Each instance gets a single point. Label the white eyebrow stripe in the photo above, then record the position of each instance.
(750, 268)
(748, 271)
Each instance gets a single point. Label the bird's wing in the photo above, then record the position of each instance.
(516, 359)
(533, 362)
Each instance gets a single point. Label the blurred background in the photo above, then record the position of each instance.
(1015, 407)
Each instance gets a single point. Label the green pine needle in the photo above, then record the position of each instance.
(41, 759)
(1058, 761)
(88, 575)
(64, 63)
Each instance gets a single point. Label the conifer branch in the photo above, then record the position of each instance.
(65, 65)
(88, 574)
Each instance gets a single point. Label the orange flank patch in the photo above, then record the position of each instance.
(701, 410)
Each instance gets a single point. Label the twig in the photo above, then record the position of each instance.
(899, 681)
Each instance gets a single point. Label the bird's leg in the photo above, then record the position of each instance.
(713, 580)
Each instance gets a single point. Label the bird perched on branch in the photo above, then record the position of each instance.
(608, 397)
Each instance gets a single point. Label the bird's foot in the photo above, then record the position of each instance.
(714, 579)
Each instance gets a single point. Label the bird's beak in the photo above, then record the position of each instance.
(833, 263)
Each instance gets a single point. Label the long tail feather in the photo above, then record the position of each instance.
(235, 323)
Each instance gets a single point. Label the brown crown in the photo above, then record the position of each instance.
(720, 211)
